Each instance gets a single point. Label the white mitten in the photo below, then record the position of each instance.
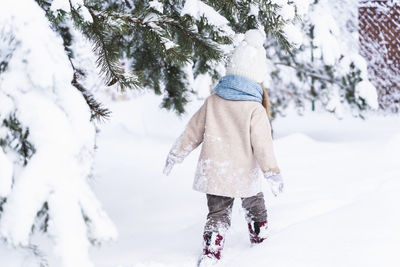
(169, 163)
(276, 182)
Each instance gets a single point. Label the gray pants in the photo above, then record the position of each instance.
(220, 209)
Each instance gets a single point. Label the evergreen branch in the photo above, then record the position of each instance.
(43, 4)
(176, 89)
(97, 110)
(128, 4)
(17, 132)
(108, 60)
(196, 39)
(38, 255)
(103, 36)
(283, 41)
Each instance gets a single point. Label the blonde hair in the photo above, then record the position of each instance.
(265, 101)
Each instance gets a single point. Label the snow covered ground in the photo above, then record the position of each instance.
(340, 206)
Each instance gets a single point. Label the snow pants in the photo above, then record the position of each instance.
(220, 209)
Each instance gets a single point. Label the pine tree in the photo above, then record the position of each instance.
(47, 131)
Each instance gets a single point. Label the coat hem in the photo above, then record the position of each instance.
(222, 194)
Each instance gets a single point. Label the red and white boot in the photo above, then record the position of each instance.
(213, 245)
(258, 231)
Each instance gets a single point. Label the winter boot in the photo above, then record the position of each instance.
(258, 231)
(213, 245)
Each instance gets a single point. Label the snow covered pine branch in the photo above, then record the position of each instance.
(47, 140)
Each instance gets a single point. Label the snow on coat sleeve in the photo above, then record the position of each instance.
(191, 137)
(261, 142)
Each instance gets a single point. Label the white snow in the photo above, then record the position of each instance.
(203, 85)
(334, 103)
(60, 4)
(339, 207)
(302, 7)
(279, 2)
(342, 184)
(157, 5)
(66, 6)
(326, 33)
(287, 12)
(367, 91)
(6, 172)
(254, 9)
(197, 9)
(293, 34)
(168, 43)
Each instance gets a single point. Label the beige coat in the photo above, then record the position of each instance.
(236, 135)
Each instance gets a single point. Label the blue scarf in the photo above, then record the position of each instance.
(236, 87)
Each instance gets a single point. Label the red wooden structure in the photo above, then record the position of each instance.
(379, 28)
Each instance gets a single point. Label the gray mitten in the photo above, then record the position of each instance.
(276, 182)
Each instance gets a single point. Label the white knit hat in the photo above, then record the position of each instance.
(249, 57)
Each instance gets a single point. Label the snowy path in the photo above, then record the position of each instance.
(340, 207)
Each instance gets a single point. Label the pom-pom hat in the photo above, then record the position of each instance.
(249, 57)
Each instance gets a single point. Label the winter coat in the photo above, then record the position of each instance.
(237, 143)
